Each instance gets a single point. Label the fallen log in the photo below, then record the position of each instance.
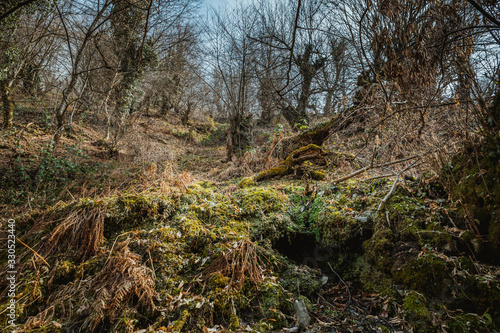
(316, 135)
(293, 162)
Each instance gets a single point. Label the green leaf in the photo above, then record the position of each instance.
(488, 318)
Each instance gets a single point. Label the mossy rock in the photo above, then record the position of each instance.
(472, 179)
(301, 281)
(469, 322)
(417, 313)
(339, 230)
(64, 272)
(207, 205)
(272, 227)
(427, 274)
(126, 212)
(369, 277)
(436, 236)
(478, 294)
(275, 303)
(378, 249)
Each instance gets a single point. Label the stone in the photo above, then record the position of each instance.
(301, 313)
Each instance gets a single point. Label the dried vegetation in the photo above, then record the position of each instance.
(191, 246)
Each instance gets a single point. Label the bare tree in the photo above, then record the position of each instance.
(233, 61)
(26, 47)
(79, 31)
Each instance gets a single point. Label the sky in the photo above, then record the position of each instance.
(217, 3)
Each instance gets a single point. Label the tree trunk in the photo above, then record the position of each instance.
(316, 135)
(61, 110)
(265, 98)
(308, 71)
(185, 115)
(304, 97)
(8, 104)
(327, 109)
(164, 108)
(291, 115)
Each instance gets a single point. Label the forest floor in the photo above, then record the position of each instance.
(161, 234)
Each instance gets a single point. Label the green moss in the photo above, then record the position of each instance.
(234, 322)
(272, 227)
(247, 182)
(127, 212)
(293, 162)
(317, 175)
(280, 170)
(371, 278)
(337, 229)
(468, 322)
(416, 312)
(218, 280)
(406, 214)
(89, 267)
(472, 179)
(378, 249)
(437, 237)
(301, 280)
(384, 329)
(179, 324)
(426, 274)
(261, 200)
(209, 206)
(64, 272)
(478, 294)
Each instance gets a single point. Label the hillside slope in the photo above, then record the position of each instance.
(158, 234)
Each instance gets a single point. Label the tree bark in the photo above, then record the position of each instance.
(8, 104)
(327, 109)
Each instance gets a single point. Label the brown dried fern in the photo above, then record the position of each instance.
(242, 261)
(81, 233)
(120, 281)
(122, 284)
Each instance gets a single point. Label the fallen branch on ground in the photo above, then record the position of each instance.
(373, 166)
(389, 194)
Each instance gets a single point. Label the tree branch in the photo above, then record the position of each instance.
(484, 12)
